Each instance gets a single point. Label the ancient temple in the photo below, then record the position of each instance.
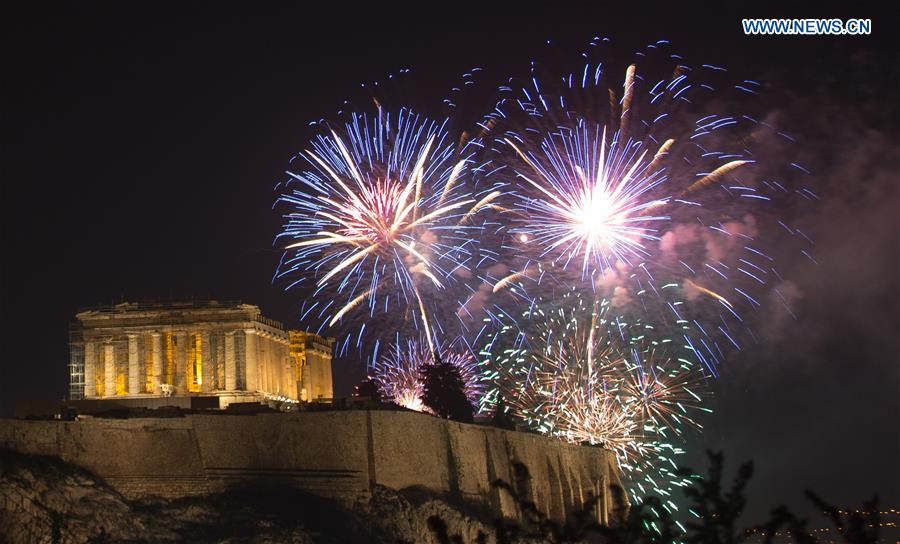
(219, 349)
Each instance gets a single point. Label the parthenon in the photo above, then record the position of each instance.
(210, 348)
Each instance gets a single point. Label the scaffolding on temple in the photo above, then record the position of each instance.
(76, 362)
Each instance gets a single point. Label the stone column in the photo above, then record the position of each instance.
(278, 363)
(251, 360)
(270, 372)
(109, 362)
(134, 367)
(265, 374)
(90, 369)
(327, 375)
(208, 370)
(290, 384)
(260, 352)
(303, 373)
(271, 384)
(291, 374)
(264, 347)
(287, 379)
(309, 373)
(219, 369)
(274, 385)
(230, 374)
(156, 361)
(181, 356)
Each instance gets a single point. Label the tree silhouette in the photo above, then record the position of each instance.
(444, 392)
(502, 418)
(719, 510)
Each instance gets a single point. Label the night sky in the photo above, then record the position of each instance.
(141, 145)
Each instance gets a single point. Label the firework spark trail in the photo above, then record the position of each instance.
(379, 214)
(399, 373)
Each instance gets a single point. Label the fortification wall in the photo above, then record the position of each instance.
(340, 454)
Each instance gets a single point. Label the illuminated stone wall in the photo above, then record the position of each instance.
(338, 454)
(225, 349)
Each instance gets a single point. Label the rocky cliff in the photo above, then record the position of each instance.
(45, 500)
(381, 476)
(341, 455)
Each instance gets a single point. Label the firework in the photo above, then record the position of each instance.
(596, 210)
(635, 185)
(607, 237)
(585, 375)
(378, 219)
(399, 373)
